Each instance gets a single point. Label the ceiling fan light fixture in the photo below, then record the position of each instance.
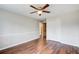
(39, 12)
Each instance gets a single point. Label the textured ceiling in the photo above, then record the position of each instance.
(25, 9)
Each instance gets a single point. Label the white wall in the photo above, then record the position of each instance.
(16, 29)
(64, 28)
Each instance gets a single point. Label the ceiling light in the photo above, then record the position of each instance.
(39, 12)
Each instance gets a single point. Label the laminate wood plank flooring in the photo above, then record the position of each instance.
(52, 47)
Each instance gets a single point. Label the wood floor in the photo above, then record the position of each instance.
(52, 47)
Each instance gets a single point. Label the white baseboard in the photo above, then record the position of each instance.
(19, 43)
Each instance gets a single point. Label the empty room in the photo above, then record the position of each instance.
(39, 28)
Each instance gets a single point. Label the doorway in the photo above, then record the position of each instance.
(42, 30)
(42, 41)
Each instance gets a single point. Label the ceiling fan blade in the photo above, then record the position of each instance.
(34, 7)
(47, 11)
(45, 6)
(33, 12)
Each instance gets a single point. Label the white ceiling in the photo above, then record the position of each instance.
(25, 9)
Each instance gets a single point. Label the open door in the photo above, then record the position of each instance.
(44, 30)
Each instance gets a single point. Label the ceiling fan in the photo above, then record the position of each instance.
(40, 10)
